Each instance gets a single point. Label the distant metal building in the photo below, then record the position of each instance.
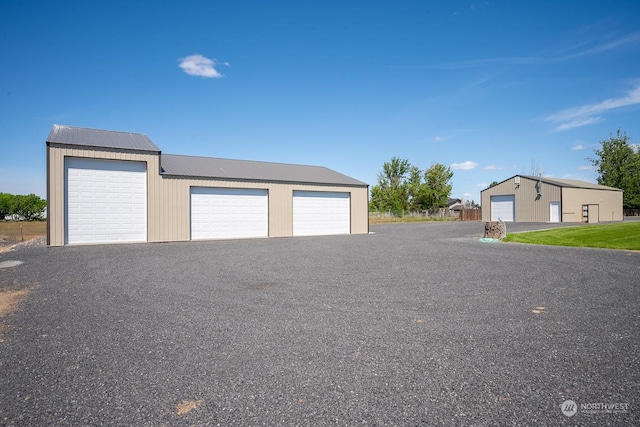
(523, 198)
(112, 187)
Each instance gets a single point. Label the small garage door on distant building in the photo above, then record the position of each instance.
(321, 213)
(229, 213)
(503, 208)
(106, 201)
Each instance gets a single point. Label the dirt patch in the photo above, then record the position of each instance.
(187, 406)
(6, 246)
(9, 301)
(539, 310)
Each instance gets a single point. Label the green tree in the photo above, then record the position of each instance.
(402, 186)
(29, 207)
(392, 190)
(6, 205)
(493, 184)
(437, 186)
(414, 186)
(618, 165)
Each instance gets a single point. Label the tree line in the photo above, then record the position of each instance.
(404, 187)
(27, 208)
(618, 166)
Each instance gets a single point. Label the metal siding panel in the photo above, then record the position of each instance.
(55, 213)
(359, 211)
(610, 202)
(280, 210)
(530, 208)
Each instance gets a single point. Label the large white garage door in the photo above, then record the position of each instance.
(319, 213)
(106, 201)
(229, 213)
(503, 208)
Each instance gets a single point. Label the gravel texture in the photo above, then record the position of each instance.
(414, 324)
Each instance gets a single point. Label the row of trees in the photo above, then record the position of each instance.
(28, 208)
(404, 187)
(618, 165)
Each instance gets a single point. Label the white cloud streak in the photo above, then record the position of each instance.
(590, 113)
(578, 147)
(535, 60)
(467, 165)
(494, 167)
(200, 66)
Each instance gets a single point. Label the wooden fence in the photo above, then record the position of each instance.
(471, 215)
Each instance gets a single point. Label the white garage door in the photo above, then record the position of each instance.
(229, 213)
(503, 208)
(106, 201)
(319, 213)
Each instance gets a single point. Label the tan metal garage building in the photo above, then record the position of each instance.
(525, 198)
(113, 187)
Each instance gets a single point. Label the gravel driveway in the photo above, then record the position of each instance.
(415, 324)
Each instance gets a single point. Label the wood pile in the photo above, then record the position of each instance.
(495, 230)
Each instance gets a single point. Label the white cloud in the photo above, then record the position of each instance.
(494, 167)
(589, 113)
(578, 123)
(586, 168)
(578, 147)
(438, 138)
(201, 66)
(468, 165)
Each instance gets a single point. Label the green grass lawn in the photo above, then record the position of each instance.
(623, 235)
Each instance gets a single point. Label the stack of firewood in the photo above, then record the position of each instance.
(495, 230)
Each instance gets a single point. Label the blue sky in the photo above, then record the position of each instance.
(486, 88)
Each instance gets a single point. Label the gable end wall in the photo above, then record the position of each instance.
(528, 207)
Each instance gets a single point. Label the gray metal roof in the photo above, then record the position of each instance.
(71, 135)
(248, 170)
(571, 183)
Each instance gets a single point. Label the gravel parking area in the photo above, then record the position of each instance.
(414, 324)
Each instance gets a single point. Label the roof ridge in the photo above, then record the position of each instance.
(245, 160)
(98, 130)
